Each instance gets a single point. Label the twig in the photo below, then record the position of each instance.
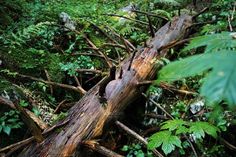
(103, 32)
(92, 54)
(59, 105)
(151, 26)
(118, 55)
(201, 12)
(123, 39)
(232, 15)
(145, 83)
(150, 130)
(77, 89)
(102, 54)
(174, 43)
(131, 60)
(150, 14)
(229, 22)
(153, 115)
(230, 18)
(49, 79)
(168, 87)
(100, 149)
(97, 75)
(121, 73)
(125, 43)
(229, 145)
(184, 91)
(77, 81)
(137, 136)
(159, 106)
(21, 143)
(128, 18)
(89, 71)
(114, 45)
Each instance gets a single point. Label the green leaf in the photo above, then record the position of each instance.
(197, 131)
(200, 128)
(173, 124)
(166, 139)
(220, 83)
(181, 130)
(213, 42)
(12, 120)
(23, 103)
(7, 130)
(35, 111)
(125, 148)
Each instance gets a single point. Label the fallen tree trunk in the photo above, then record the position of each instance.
(87, 118)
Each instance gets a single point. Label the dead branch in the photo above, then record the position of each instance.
(49, 79)
(175, 43)
(151, 14)
(137, 136)
(114, 45)
(227, 144)
(128, 18)
(92, 54)
(100, 149)
(101, 53)
(159, 106)
(59, 105)
(77, 89)
(89, 71)
(120, 37)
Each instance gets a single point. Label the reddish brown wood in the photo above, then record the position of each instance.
(88, 116)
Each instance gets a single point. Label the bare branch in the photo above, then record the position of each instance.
(137, 136)
(100, 149)
(77, 89)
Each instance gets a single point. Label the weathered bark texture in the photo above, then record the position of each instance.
(88, 116)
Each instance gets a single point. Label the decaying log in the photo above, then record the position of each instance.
(87, 118)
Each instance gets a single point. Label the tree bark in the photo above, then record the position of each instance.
(87, 118)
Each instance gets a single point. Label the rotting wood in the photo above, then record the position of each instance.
(87, 118)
